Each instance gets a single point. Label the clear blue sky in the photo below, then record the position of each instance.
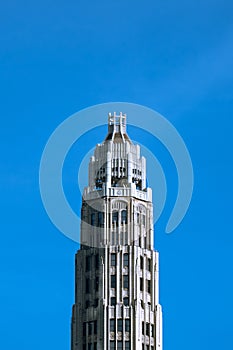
(57, 57)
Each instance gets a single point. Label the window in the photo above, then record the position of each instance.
(113, 259)
(127, 325)
(127, 345)
(84, 329)
(141, 284)
(126, 259)
(113, 281)
(89, 328)
(124, 216)
(119, 325)
(152, 331)
(126, 301)
(100, 219)
(143, 325)
(112, 345)
(147, 329)
(95, 346)
(149, 286)
(115, 218)
(87, 304)
(113, 301)
(84, 346)
(141, 262)
(88, 263)
(97, 283)
(97, 261)
(144, 220)
(95, 303)
(112, 325)
(125, 281)
(138, 218)
(93, 219)
(95, 327)
(148, 264)
(119, 345)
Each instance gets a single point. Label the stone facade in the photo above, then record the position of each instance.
(117, 270)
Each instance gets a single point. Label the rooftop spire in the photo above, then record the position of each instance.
(117, 128)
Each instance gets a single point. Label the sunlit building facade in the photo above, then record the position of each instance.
(117, 269)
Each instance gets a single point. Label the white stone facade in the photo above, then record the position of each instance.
(117, 270)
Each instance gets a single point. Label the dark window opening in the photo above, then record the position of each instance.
(124, 216)
(113, 259)
(141, 284)
(93, 219)
(119, 325)
(126, 301)
(112, 325)
(113, 301)
(126, 259)
(115, 218)
(113, 281)
(127, 325)
(126, 282)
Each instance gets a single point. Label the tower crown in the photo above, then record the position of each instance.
(117, 128)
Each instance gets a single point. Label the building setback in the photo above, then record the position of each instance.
(117, 269)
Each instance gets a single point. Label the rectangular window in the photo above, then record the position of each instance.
(141, 262)
(119, 325)
(112, 325)
(141, 284)
(124, 216)
(87, 304)
(113, 301)
(127, 345)
(126, 259)
(126, 301)
(88, 263)
(112, 345)
(152, 330)
(97, 261)
(84, 346)
(95, 303)
(89, 328)
(149, 286)
(126, 282)
(93, 219)
(147, 329)
(115, 218)
(113, 281)
(84, 329)
(119, 345)
(100, 219)
(127, 325)
(149, 265)
(143, 325)
(95, 327)
(95, 346)
(97, 283)
(143, 220)
(113, 259)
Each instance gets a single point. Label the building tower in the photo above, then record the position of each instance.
(116, 269)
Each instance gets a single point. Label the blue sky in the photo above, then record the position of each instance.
(59, 57)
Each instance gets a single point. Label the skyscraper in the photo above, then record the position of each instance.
(117, 269)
